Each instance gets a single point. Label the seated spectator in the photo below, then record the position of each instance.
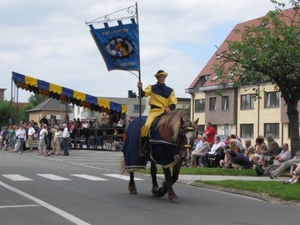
(295, 177)
(202, 152)
(216, 152)
(283, 156)
(85, 125)
(237, 142)
(249, 151)
(198, 142)
(285, 165)
(120, 125)
(99, 140)
(91, 142)
(259, 148)
(217, 144)
(227, 161)
(120, 122)
(115, 132)
(271, 151)
(239, 161)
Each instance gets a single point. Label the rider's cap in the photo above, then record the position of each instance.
(161, 73)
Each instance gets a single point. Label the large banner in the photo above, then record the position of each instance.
(118, 45)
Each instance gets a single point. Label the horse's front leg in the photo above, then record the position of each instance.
(131, 185)
(176, 170)
(169, 180)
(153, 170)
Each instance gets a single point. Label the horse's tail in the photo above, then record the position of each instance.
(122, 165)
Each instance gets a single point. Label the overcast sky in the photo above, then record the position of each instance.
(48, 40)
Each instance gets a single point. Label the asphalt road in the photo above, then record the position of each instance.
(86, 188)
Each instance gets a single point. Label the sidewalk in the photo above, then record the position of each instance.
(185, 178)
(216, 177)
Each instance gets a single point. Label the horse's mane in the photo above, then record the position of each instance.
(171, 121)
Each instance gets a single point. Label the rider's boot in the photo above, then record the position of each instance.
(144, 147)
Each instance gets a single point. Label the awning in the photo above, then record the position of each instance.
(65, 94)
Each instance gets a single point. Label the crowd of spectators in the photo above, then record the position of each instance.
(13, 138)
(265, 156)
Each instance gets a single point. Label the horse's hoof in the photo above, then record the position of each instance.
(154, 192)
(133, 191)
(174, 200)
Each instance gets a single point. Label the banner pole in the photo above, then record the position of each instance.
(140, 76)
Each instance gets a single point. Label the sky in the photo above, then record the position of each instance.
(49, 40)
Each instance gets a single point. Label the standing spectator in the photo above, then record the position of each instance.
(4, 136)
(209, 133)
(65, 139)
(21, 137)
(11, 138)
(57, 141)
(48, 142)
(66, 120)
(44, 120)
(31, 132)
(42, 136)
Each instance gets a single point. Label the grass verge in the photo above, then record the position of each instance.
(274, 189)
(208, 171)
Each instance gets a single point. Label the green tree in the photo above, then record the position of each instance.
(23, 114)
(36, 99)
(4, 112)
(268, 54)
(8, 111)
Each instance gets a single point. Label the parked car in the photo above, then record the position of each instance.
(222, 136)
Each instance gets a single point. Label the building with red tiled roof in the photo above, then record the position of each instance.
(235, 112)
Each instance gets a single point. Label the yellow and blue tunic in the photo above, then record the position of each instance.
(161, 97)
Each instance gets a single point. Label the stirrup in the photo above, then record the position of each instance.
(144, 148)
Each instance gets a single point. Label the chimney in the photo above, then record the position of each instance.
(129, 93)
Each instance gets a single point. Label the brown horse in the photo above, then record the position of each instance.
(171, 141)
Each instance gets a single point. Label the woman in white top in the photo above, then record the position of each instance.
(21, 137)
(57, 140)
(217, 144)
(43, 133)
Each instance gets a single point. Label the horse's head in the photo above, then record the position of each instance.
(187, 137)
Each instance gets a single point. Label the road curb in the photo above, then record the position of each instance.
(261, 196)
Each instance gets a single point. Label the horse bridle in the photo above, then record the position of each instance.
(185, 129)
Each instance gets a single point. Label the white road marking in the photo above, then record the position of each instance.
(88, 177)
(46, 205)
(17, 206)
(52, 177)
(119, 176)
(16, 177)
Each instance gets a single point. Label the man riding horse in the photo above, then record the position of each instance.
(162, 100)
